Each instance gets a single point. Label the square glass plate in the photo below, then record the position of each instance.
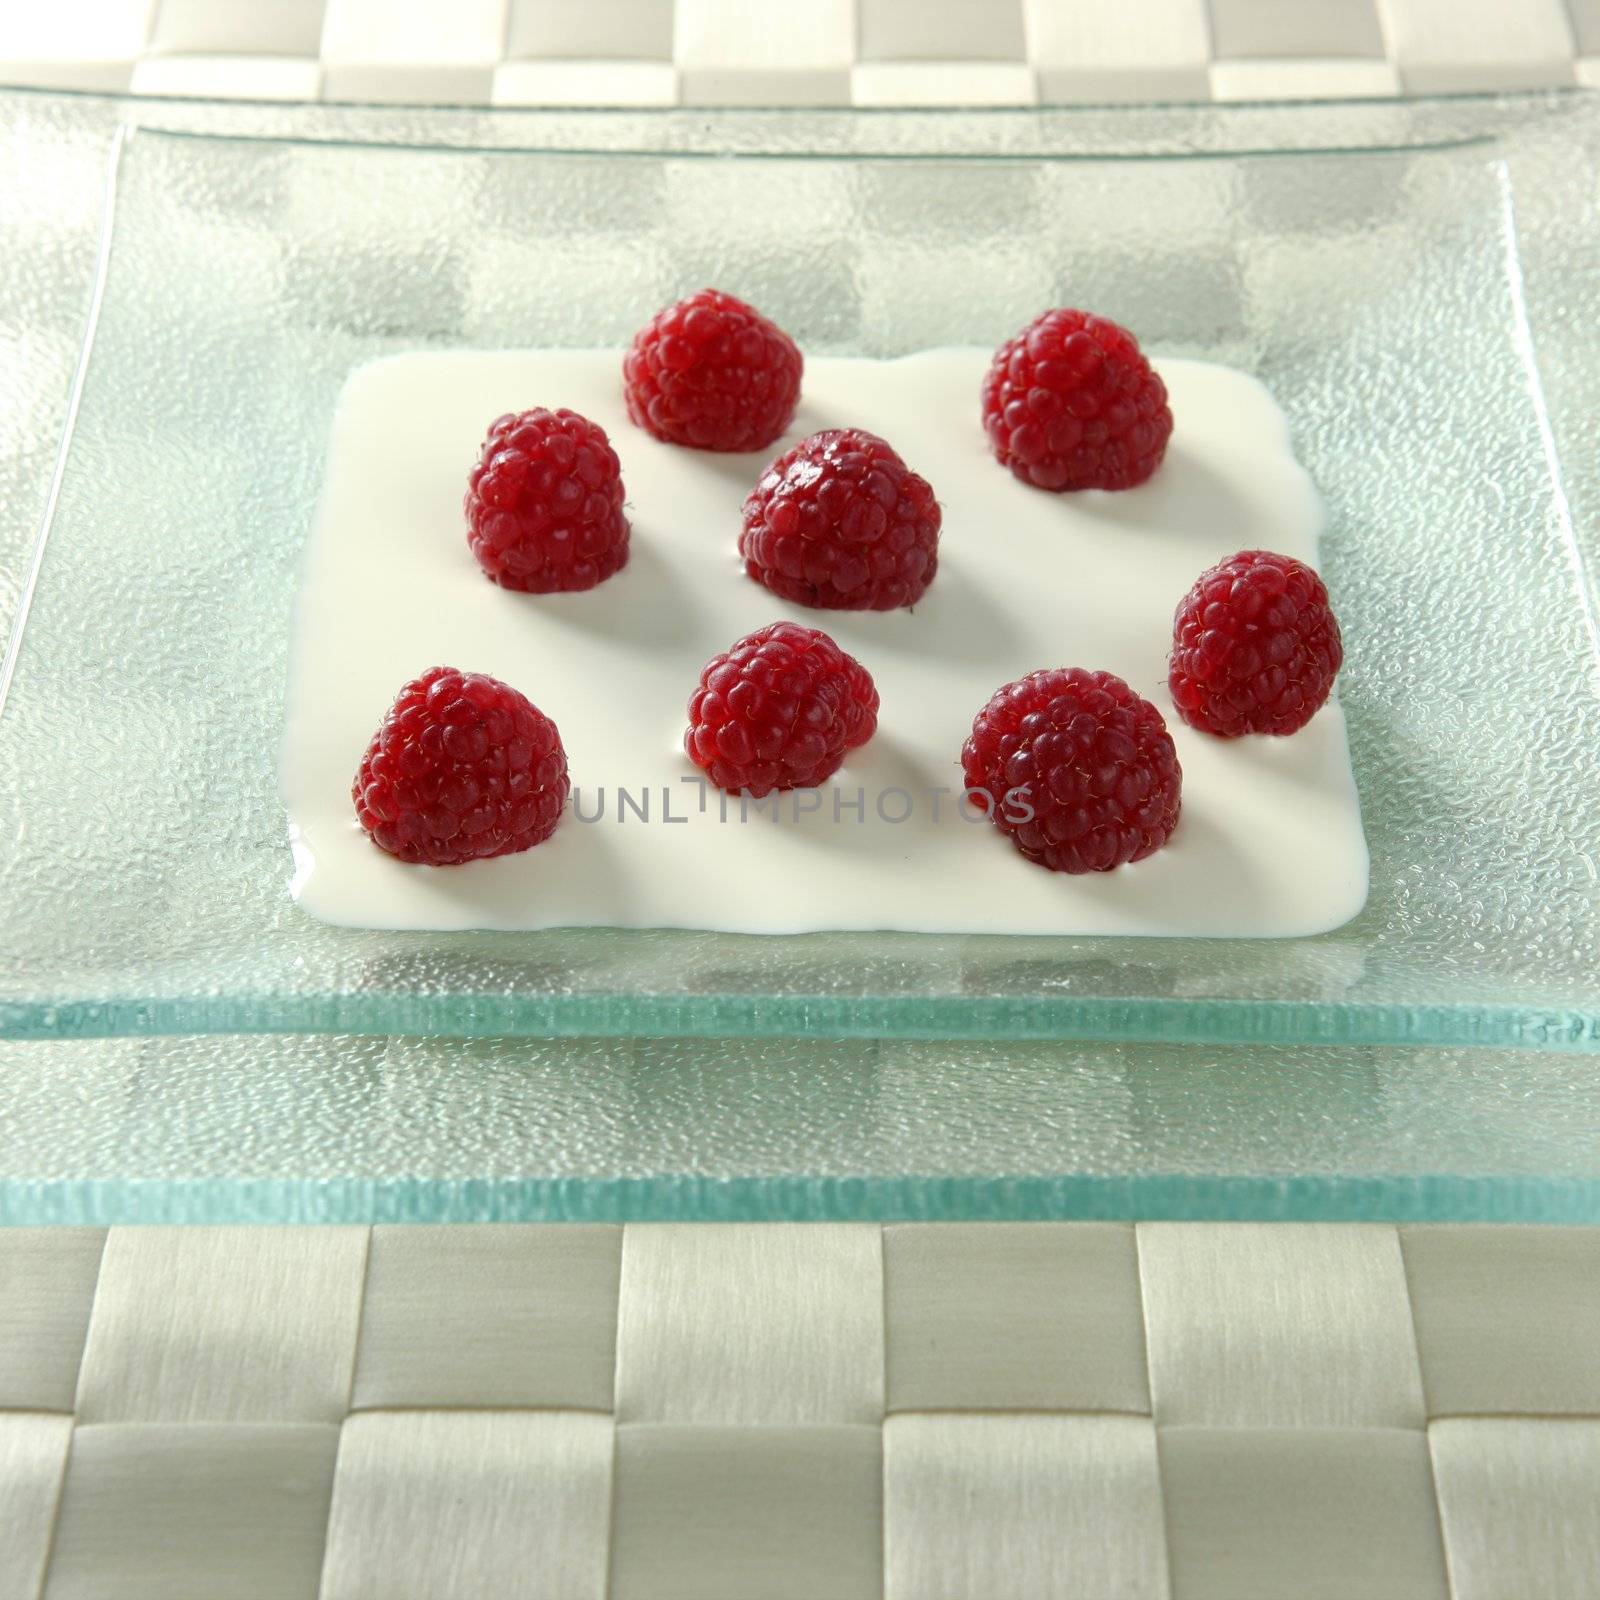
(1415, 283)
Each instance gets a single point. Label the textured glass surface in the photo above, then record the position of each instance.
(331, 1128)
(1416, 284)
(52, 190)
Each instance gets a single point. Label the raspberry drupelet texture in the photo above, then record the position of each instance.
(1071, 403)
(842, 523)
(462, 767)
(1093, 761)
(1255, 647)
(712, 373)
(544, 503)
(779, 711)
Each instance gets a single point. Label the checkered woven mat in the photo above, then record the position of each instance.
(799, 52)
(994, 1412)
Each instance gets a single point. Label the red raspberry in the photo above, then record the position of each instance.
(1255, 647)
(544, 503)
(1093, 761)
(713, 373)
(463, 766)
(841, 522)
(1070, 403)
(779, 710)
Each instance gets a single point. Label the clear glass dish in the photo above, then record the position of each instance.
(1416, 283)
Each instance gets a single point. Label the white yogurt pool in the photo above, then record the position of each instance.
(1270, 842)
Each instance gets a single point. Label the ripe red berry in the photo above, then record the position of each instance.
(1090, 759)
(841, 522)
(462, 767)
(713, 373)
(1070, 403)
(779, 710)
(544, 503)
(1255, 647)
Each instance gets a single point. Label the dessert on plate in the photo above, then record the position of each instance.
(1086, 693)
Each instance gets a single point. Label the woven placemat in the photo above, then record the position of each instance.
(826, 1412)
(802, 52)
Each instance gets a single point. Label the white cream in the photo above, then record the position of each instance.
(1270, 841)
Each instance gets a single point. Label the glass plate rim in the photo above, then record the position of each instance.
(1465, 141)
(669, 1197)
(732, 111)
(624, 1014)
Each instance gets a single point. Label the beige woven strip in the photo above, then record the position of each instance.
(1319, 1514)
(1026, 1318)
(154, 1511)
(747, 1513)
(47, 1288)
(1266, 1326)
(1520, 1501)
(490, 1317)
(224, 1325)
(781, 1324)
(33, 1457)
(1053, 1507)
(460, 1505)
(1481, 1354)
